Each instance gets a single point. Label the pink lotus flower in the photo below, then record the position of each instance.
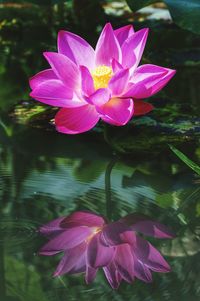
(105, 83)
(89, 243)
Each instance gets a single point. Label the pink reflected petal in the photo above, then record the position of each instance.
(49, 253)
(112, 275)
(145, 225)
(76, 120)
(107, 47)
(90, 274)
(55, 93)
(86, 81)
(52, 227)
(133, 48)
(76, 49)
(64, 69)
(141, 271)
(124, 262)
(41, 77)
(80, 265)
(118, 111)
(118, 82)
(113, 233)
(123, 33)
(98, 255)
(100, 97)
(67, 239)
(69, 260)
(153, 228)
(149, 256)
(142, 107)
(83, 218)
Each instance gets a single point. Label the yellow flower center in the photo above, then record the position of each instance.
(101, 76)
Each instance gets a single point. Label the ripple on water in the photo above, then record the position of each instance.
(17, 232)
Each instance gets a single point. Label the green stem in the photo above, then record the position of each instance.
(109, 203)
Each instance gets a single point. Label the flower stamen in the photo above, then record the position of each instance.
(101, 76)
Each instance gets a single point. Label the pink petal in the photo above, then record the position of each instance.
(55, 93)
(64, 69)
(112, 275)
(83, 218)
(148, 80)
(153, 228)
(99, 255)
(69, 260)
(158, 85)
(113, 233)
(86, 81)
(118, 82)
(100, 97)
(116, 66)
(141, 107)
(149, 256)
(76, 49)
(80, 265)
(76, 120)
(90, 274)
(67, 239)
(52, 227)
(41, 77)
(123, 33)
(145, 225)
(133, 48)
(124, 262)
(141, 271)
(107, 47)
(118, 111)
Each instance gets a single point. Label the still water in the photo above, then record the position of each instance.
(44, 174)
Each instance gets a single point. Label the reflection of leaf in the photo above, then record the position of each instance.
(138, 4)
(26, 285)
(185, 13)
(165, 200)
(186, 160)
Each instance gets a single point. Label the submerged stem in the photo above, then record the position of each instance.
(108, 187)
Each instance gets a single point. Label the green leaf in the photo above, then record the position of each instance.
(185, 159)
(185, 13)
(138, 4)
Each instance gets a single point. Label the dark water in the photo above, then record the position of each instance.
(44, 174)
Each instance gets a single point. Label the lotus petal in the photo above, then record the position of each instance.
(67, 239)
(41, 77)
(112, 275)
(133, 48)
(123, 33)
(76, 120)
(83, 218)
(107, 47)
(119, 82)
(99, 255)
(64, 69)
(117, 111)
(76, 49)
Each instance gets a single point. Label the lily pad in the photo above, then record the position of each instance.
(185, 13)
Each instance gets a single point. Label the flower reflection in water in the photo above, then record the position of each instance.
(89, 242)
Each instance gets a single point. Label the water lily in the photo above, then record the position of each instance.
(89, 242)
(105, 83)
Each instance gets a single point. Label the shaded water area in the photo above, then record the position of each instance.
(111, 171)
